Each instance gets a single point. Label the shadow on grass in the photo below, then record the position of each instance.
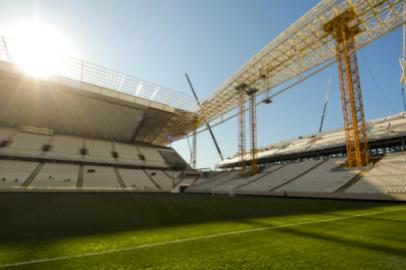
(403, 222)
(378, 246)
(339, 233)
(32, 217)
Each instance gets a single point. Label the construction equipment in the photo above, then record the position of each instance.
(241, 127)
(265, 88)
(325, 104)
(253, 128)
(304, 47)
(344, 31)
(331, 31)
(194, 139)
(244, 91)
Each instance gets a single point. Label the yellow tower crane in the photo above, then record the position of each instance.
(332, 30)
(351, 97)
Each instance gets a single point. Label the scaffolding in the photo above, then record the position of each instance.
(253, 134)
(351, 97)
(241, 133)
(304, 47)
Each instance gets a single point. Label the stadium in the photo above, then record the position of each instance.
(89, 177)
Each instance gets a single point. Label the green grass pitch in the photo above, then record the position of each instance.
(179, 231)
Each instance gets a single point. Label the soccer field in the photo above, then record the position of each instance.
(178, 231)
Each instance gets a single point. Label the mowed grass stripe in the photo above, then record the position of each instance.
(158, 244)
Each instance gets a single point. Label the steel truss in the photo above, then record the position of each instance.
(253, 125)
(351, 97)
(241, 132)
(304, 46)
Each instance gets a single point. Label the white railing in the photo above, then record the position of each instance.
(85, 72)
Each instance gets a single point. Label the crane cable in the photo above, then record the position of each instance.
(385, 100)
(326, 65)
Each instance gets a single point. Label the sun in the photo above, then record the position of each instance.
(38, 48)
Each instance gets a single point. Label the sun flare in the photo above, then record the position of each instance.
(38, 48)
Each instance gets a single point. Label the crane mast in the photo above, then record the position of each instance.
(351, 97)
(332, 31)
(304, 47)
(253, 129)
(241, 131)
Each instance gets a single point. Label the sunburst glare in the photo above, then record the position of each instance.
(39, 48)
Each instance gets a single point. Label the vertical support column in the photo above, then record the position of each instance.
(241, 103)
(351, 97)
(362, 150)
(253, 122)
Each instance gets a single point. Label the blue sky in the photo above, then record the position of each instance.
(160, 40)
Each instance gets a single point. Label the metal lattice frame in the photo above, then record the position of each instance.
(351, 97)
(304, 46)
(253, 124)
(241, 132)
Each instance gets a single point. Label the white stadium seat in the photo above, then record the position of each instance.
(26, 145)
(237, 182)
(65, 147)
(387, 176)
(128, 154)
(15, 173)
(280, 177)
(137, 180)
(161, 179)
(152, 156)
(208, 186)
(68, 148)
(56, 176)
(327, 177)
(99, 151)
(98, 177)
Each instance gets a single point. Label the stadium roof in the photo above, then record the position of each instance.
(150, 113)
(87, 100)
(386, 128)
(303, 47)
